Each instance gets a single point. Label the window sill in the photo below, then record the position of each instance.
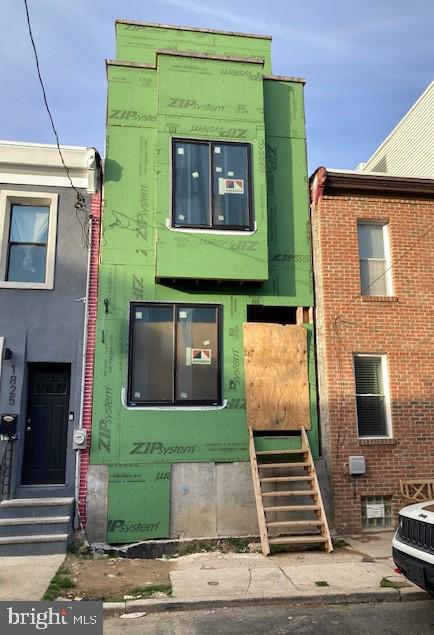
(169, 408)
(379, 298)
(378, 441)
(221, 232)
(25, 285)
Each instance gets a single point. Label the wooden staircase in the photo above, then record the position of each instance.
(288, 498)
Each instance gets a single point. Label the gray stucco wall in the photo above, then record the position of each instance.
(47, 326)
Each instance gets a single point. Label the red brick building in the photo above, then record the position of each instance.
(373, 246)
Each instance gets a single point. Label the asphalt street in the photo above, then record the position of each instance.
(394, 618)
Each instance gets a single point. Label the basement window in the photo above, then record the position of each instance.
(211, 185)
(372, 396)
(174, 354)
(377, 512)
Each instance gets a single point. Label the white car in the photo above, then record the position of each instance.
(413, 544)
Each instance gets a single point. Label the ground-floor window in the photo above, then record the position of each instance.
(174, 354)
(372, 395)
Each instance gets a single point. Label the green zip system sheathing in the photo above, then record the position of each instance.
(171, 94)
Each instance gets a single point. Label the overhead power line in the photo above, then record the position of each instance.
(80, 203)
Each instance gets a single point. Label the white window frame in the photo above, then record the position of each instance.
(388, 411)
(387, 258)
(17, 197)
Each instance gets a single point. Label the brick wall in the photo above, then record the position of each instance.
(90, 350)
(401, 327)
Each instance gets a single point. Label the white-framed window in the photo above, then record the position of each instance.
(374, 257)
(28, 223)
(372, 395)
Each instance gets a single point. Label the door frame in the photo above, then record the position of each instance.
(30, 369)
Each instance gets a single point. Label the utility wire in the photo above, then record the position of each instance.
(80, 203)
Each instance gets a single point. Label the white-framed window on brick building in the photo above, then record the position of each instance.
(28, 225)
(374, 258)
(372, 395)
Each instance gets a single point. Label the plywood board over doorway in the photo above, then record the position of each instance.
(277, 387)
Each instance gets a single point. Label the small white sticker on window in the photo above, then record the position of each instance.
(206, 342)
(183, 314)
(184, 395)
(218, 169)
(220, 217)
(137, 395)
(181, 216)
(195, 175)
(217, 150)
(180, 150)
(231, 173)
(139, 315)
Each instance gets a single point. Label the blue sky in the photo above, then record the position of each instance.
(365, 63)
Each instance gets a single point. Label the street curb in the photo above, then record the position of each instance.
(173, 604)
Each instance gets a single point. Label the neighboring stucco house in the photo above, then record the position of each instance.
(206, 228)
(46, 213)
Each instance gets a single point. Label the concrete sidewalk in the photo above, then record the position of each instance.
(27, 577)
(356, 573)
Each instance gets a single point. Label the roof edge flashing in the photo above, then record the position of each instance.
(191, 28)
(129, 64)
(285, 78)
(209, 56)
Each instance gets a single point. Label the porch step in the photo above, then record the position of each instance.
(284, 479)
(295, 524)
(42, 544)
(301, 492)
(33, 526)
(289, 451)
(292, 508)
(273, 466)
(296, 540)
(35, 507)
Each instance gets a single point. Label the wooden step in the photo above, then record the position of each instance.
(281, 479)
(269, 466)
(295, 523)
(296, 540)
(266, 452)
(300, 492)
(293, 526)
(291, 508)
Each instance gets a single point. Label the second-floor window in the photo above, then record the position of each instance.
(28, 222)
(211, 185)
(374, 257)
(27, 248)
